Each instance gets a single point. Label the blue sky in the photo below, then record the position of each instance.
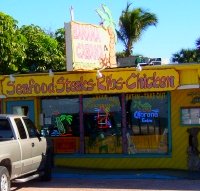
(178, 20)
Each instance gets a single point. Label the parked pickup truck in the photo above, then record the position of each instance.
(24, 153)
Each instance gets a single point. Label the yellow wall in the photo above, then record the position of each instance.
(181, 98)
(189, 75)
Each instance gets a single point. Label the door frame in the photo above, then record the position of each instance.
(29, 103)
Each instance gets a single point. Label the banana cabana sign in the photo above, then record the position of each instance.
(88, 83)
(91, 46)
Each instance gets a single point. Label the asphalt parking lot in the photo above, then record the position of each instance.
(87, 180)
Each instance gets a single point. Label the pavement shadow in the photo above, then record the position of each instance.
(123, 180)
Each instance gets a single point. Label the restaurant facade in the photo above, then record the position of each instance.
(124, 119)
(106, 117)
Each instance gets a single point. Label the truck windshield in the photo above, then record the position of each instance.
(5, 130)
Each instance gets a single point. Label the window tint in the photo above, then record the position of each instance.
(20, 128)
(147, 122)
(5, 129)
(61, 117)
(102, 124)
(32, 130)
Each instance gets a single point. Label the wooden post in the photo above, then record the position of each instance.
(82, 142)
(124, 129)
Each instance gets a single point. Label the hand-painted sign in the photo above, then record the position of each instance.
(89, 47)
(88, 83)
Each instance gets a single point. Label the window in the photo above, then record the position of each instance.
(147, 122)
(5, 129)
(20, 110)
(21, 129)
(32, 130)
(102, 124)
(61, 121)
(61, 117)
(190, 116)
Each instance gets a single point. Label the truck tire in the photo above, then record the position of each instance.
(47, 169)
(4, 179)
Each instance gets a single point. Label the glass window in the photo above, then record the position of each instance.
(102, 124)
(32, 130)
(20, 110)
(21, 129)
(62, 122)
(5, 129)
(190, 116)
(61, 116)
(147, 122)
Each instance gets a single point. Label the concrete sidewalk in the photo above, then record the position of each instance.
(60, 172)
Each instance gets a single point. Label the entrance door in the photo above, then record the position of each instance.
(21, 107)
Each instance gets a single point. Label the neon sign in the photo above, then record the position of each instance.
(146, 116)
(144, 112)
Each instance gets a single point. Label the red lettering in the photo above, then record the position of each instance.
(37, 88)
(25, 88)
(89, 51)
(90, 85)
(106, 83)
(60, 85)
(44, 88)
(130, 83)
(50, 87)
(86, 33)
(155, 81)
(12, 91)
(18, 89)
(100, 82)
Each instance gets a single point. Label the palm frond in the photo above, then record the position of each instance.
(132, 24)
(102, 15)
(198, 43)
(108, 12)
(107, 19)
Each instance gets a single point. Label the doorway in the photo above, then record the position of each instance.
(21, 107)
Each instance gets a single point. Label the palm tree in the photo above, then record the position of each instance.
(132, 24)
(198, 44)
(198, 49)
(186, 56)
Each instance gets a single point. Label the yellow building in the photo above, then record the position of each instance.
(125, 119)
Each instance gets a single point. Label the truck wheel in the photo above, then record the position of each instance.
(4, 179)
(47, 169)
